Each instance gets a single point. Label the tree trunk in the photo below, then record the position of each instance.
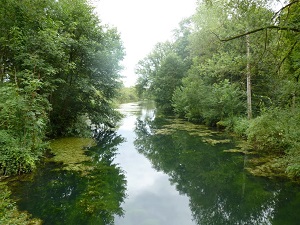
(249, 101)
(2, 65)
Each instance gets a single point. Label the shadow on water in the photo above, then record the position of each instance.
(220, 191)
(59, 196)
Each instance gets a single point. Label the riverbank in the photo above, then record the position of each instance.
(264, 163)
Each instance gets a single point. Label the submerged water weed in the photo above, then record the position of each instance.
(215, 141)
(242, 146)
(202, 131)
(71, 152)
(179, 124)
(266, 167)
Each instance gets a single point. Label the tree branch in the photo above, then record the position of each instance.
(260, 29)
(289, 52)
(284, 7)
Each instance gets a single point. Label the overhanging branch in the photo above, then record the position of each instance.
(284, 7)
(289, 52)
(261, 29)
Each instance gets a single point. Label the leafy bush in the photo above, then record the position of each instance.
(198, 101)
(14, 157)
(275, 130)
(292, 160)
(241, 125)
(190, 100)
(237, 124)
(22, 128)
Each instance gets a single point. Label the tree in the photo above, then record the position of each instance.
(162, 70)
(58, 64)
(272, 131)
(147, 68)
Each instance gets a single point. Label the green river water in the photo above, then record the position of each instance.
(157, 171)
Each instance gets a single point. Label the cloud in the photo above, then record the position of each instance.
(142, 24)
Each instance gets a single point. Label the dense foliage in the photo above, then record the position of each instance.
(58, 67)
(235, 64)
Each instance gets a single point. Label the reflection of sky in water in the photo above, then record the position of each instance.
(151, 199)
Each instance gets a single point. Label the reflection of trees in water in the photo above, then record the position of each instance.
(67, 197)
(107, 146)
(219, 190)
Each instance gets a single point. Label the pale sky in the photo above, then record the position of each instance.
(142, 24)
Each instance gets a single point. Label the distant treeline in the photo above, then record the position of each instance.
(127, 94)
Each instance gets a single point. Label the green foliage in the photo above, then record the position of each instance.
(23, 116)
(222, 44)
(127, 94)
(276, 131)
(89, 82)
(266, 132)
(239, 125)
(168, 78)
(292, 161)
(63, 44)
(80, 128)
(162, 70)
(58, 68)
(201, 102)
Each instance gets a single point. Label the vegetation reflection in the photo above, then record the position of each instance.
(62, 196)
(219, 189)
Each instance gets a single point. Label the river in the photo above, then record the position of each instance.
(158, 171)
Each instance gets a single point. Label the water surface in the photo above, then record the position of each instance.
(151, 198)
(158, 171)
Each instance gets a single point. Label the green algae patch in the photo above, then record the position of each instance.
(215, 142)
(202, 131)
(236, 150)
(266, 167)
(243, 147)
(164, 131)
(71, 152)
(182, 125)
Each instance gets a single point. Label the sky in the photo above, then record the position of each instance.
(142, 24)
